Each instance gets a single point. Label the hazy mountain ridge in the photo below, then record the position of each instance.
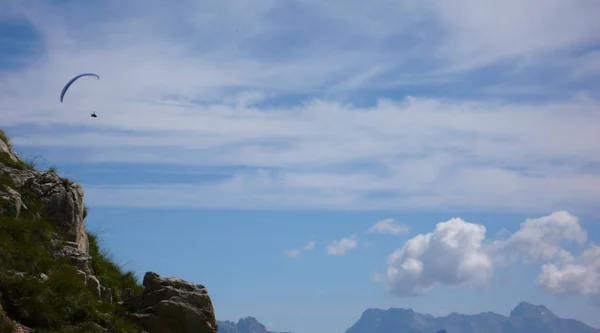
(524, 318)
(244, 325)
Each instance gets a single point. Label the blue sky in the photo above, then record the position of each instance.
(251, 146)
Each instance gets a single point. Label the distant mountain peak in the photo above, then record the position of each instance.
(244, 325)
(248, 319)
(250, 325)
(401, 310)
(524, 318)
(529, 310)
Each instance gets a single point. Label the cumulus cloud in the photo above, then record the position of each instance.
(340, 247)
(457, 252)
(451, 254)
(578, 275)
(388, 226)
(295, 253)
(543, 238)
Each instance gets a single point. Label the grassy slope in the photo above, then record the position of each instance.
(62, 303)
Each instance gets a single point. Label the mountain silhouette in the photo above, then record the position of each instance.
(524, 318)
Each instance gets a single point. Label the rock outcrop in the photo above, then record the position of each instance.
(33, 193)
(172, 305)
(45, 194)
(31, 198)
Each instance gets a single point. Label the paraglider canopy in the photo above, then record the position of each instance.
(66, 87)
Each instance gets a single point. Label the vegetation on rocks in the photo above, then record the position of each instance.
(60, 302)
(43, 292)
(55, 277)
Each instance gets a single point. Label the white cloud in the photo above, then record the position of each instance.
(481, 32)
(457, 252)
(543, 238)
(412, 167)
(309, 246)
(295, 253)
(210, 84)
(292, 253)
(389, 226)
(451, 255)
(340, 247)
(574, 275)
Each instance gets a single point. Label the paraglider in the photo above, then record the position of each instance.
(66, 87)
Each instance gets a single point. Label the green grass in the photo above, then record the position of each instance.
(28, 164)
(6, 181)
(5, 138)
(53, 169)
(109, 273)
(5, 324)
(62, 303)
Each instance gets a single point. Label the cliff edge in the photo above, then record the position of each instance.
(54, 277)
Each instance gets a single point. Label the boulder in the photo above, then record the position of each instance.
(172, 305)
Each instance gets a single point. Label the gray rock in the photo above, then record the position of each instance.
(62, 204)
(106, 294)
(11, 202)
(172, 305)
(93, 284)
(60, 200)
(79, 259)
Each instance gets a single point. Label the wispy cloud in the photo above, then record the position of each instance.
(309, 246)
(295, 253)
(317, 115)
(342, 246)
(388, 226)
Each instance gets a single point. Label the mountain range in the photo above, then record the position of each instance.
(244, 325)
(524, 318)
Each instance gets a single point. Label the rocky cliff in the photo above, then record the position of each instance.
(55, 278)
